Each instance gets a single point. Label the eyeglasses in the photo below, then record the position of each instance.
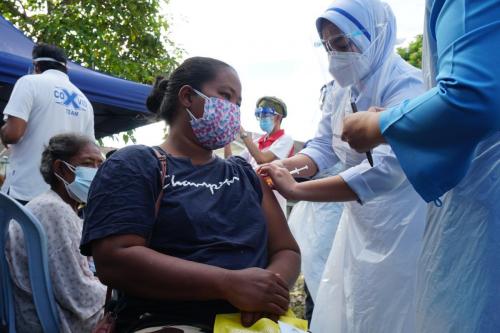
(265, 112)
(340, 42)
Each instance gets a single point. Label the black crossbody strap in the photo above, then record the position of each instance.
(163, 161)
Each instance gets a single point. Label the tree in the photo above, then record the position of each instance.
(413, 52)
(124, 38)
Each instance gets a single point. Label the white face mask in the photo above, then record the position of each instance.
(348, 68)
(78, 190)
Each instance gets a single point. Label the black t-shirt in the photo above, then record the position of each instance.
(209, 213)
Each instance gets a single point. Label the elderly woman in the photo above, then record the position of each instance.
(68, 165)
(369, 279)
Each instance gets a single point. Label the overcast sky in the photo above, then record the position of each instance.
(271, 45)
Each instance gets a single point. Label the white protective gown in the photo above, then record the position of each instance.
(369, 280)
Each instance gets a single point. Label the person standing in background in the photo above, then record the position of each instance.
(274, 144)
(42, 105)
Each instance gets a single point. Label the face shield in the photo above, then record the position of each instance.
(263, 112)
(341, 42)
(348, 64)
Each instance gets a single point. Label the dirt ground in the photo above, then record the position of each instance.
(298, 298)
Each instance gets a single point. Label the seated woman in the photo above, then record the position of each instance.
(68, 165)
(219, 243)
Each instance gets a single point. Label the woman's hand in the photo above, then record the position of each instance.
(250, 318)
(256, 290)
(278, 163)
(362, 130)
(282, 180)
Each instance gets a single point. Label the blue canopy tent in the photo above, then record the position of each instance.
(119, 105)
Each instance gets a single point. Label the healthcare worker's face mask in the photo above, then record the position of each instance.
(267, 124)
(348, 68)
(78, 190)
(266, 115)
(219, 124)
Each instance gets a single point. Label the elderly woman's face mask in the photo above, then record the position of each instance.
(78, 189)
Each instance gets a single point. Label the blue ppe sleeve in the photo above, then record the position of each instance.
(435, 135)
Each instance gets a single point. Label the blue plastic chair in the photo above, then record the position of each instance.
(36, 246)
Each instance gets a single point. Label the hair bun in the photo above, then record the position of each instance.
(153, 102)
(162, 85)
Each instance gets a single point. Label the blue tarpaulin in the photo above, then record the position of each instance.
(119, 104)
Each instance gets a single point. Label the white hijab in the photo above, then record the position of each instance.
(377, 23)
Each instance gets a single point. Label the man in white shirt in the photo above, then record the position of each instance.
(41, 105)
(274, 144)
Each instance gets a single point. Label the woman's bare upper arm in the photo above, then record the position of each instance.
(280, 237)
(105, 249)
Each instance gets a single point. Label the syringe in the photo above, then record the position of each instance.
(298, 170)
(270, 183)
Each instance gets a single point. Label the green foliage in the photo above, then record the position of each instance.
(124, 38)
(129, 135)
(123, 136)
(413, 52)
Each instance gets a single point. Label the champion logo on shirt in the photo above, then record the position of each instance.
(212, 187)
(71, 100)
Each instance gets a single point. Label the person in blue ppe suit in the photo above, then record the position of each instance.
(448, 142)
(369, 280)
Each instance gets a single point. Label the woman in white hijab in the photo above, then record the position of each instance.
(369, 279)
